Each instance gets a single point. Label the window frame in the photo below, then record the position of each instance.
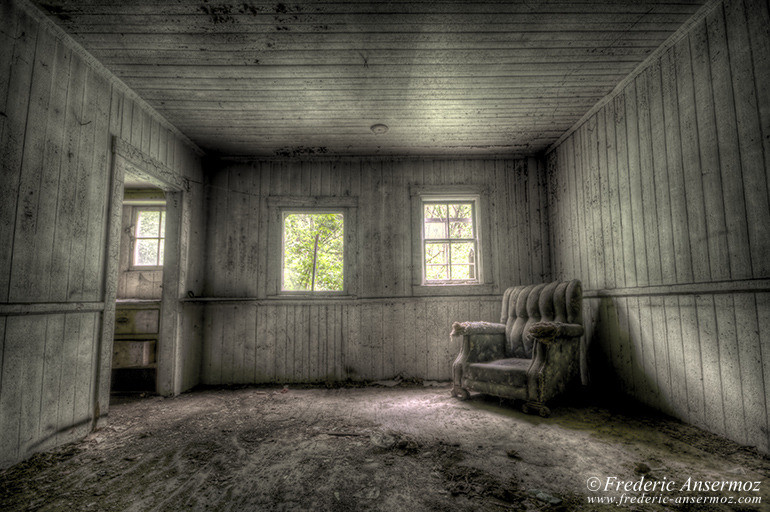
(136, 210)
(279, 207)
(476, 195)
(449, 241)
(311, 211)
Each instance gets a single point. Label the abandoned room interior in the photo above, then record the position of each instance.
(400, 255)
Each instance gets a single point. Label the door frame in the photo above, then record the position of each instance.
(128, 158)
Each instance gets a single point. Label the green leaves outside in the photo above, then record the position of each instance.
(313, 245)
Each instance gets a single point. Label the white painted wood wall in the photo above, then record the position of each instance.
(386, 331)
(59, 113)
(659, 203)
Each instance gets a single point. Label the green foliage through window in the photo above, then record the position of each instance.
(449, 237)
(313, 252)
(149, 238)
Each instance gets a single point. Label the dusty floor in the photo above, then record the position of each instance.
(392, 449)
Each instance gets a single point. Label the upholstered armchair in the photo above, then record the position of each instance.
(531, 355)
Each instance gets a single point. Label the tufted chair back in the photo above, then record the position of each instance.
(529, 304)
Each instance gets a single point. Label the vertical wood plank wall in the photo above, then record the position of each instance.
(386, 331)
(58, 116)
(659, 203)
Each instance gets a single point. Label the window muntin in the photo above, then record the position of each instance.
(313, 251)
(450, 242)
(149, 237)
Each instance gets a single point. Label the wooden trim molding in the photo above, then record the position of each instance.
(479, 194)
(448, 191)
(144, 166)
(130, 158)
(346, 300)
(49, 308)
(715, 287)
(111, 264)
(277, 205)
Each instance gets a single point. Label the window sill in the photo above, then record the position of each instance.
(311, 296)
(428, 290)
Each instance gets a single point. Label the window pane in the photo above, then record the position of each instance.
(160, 252)
(435, 230)
(450, 261)
(329, 260)
(436, 272)
(461, 229)
(463, 253)
(293, 282)
(464, 210)
(463, 272)
(313, 241)
(437, 211)
(148, 224)
(436, 261)
(146, 253)
(436, 254)
(435, 221)
(460, 220)
(463, 260)
(162, 224)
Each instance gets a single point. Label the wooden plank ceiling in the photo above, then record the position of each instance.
(308, 78)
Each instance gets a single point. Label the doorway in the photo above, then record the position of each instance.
(131, 165)
(140, 289)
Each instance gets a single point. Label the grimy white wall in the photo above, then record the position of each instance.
(659, 203)
(59, 113)
(386, 330)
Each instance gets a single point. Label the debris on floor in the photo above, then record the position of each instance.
(388, 383)
(544, 496)
(388, 440)
(513, 454)
(397, 449)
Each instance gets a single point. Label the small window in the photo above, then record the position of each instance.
(311, 249)
(450, 243)
(149, 236)
(313, 252)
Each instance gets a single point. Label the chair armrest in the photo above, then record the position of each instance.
(554, 359)
(481, 341)
(468, 328)
(550, 332)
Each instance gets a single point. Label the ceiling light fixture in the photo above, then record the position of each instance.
(379, 128)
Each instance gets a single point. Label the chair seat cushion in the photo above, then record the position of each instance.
(509, 372)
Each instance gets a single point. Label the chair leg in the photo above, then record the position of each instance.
(460, 393)
(532, 407)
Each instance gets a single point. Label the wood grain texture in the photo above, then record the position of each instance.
(264, 78)
(686, 203)
(301, 343)
(364, 337)
(59, 114)
(239, 223)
